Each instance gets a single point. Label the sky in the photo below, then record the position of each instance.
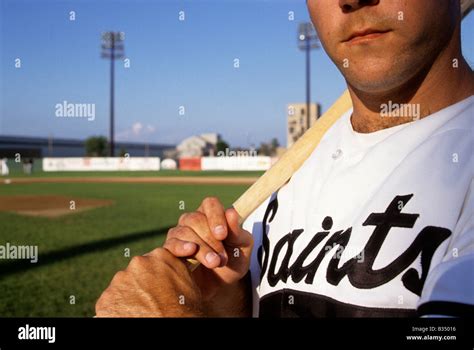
(173, 63)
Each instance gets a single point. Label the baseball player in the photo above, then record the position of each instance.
(378, 222)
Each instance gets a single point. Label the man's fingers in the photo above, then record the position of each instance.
(215, 213)
(210, 234)
(180, 248)
(205, 254)
(237, 236)
(198, 222)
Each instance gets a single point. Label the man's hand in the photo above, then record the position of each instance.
(214, 237)
(159, 283)
(154, 285)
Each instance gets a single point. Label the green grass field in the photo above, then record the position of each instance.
(79, 253)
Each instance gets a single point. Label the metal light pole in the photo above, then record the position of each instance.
(112, 48)
(307, 40)
(50, 145)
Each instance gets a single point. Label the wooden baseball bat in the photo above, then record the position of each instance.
(466, 7)
(291, 161)
(293, 158)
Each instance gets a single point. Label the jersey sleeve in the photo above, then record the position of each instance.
(449, 287)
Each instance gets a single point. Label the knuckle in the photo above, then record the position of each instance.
(178, 232)
(104, 306)
(118, 278)
(169, 243)
(183, 217)
(138, 261)
(104, 300)
(120, 275)
(171, 233)
(100, 304)
(210, 201)
(161, 254)
(194, 218)
(106, 295)
(163, 259)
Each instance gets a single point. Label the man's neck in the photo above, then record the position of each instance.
(440, 87)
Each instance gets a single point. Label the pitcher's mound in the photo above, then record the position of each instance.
(49, 206)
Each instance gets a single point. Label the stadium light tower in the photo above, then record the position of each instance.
(307, 41)
(112, 48)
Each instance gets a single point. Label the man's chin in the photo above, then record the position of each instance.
(377, 81)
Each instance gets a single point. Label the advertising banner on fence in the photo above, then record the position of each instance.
(236, 163)
(102, 164)
(193, 163)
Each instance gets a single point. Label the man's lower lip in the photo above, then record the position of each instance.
(365, 38)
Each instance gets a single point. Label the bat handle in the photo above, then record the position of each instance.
(192, 264)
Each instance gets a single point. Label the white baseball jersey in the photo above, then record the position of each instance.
(378, 224)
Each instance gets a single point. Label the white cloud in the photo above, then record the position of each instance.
(137, 132)
(150, 128)
(137, 128)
